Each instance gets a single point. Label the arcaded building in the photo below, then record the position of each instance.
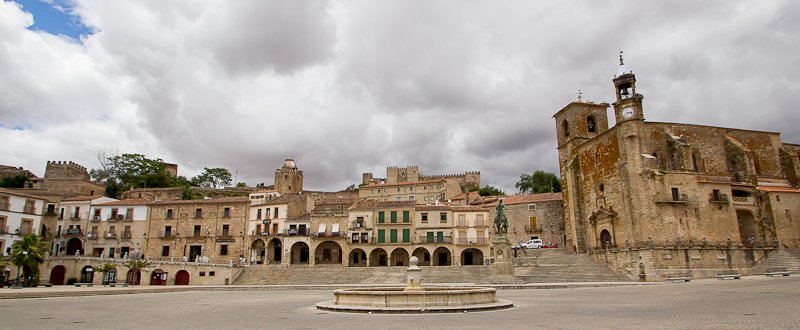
(642, 184)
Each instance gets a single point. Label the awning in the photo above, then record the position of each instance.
(322, 228)
(335, 228)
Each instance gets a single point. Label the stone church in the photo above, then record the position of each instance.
(659, 198)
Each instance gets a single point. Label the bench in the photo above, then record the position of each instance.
(679, 279)
(124, 285)
(777, 272)
(77, 285)
(728, 275)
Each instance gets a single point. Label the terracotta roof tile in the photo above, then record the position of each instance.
(243, 199)
(283, 199)
(779, 189)
(370, 186)
(527, 199)
(15, 193)
(81, 198)
(369, 204)
(128, 201)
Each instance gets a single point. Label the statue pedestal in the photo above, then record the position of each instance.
(503, 265)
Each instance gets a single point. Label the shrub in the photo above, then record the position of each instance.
(72, 281)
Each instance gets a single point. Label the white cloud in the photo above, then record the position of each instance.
(347, 87)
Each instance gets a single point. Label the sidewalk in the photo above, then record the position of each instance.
(72, 291)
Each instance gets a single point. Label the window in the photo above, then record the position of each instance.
(276, 212)
(565, 128)
(440, 237)
(788, 214)
(676, 194)
(406, 217)
(226, 212)
(225, 230)
(424, 217)
(531, 207)
(223, 250)
(165, 251)
(429, 236)
(169, 214)
(381, 217)
(397, 199)
(129, 214)
(167, 231)
(590, 124)
(202, 274)
(406, 235)
(196, 231)
(715, 195)
(381, 234)
(393, 216)
(532, 221)
(443, 217)
(411, 198)
(393, 236)
(26, 227)
(4, 203)
(258, 214)
(212, 273)
(198, 213)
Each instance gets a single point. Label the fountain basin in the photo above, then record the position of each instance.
(428, 299)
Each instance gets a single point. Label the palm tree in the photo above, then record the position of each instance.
(3, 265)
(135, 265)
(28, 254)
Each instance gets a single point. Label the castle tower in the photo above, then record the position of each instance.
(288, 179)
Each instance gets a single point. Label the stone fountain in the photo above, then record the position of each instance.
(414, 298)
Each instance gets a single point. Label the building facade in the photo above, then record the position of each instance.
(645, 184)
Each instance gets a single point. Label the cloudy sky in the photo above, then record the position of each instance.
(345, 87)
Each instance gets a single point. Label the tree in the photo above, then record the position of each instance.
(538, 182)
(351, 187)
(105, 269)
(17, 181)
(3, 265)
(136, 265)
(488, 190)
(127, 171)
(213, 178)
(28, 254)
(241, 184)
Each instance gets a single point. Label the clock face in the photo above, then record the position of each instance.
(627, 112)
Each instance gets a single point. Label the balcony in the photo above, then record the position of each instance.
(95, 218)
(128, 218)
(681, 199)
(167, 235)
(75, 217)
(529, 229)
(91, 236)
(110, 234)
(743, 200)
(126, 235)
(719, 198)
(462, 224)
(263, 233)
(472, 241)
(27, 209)
(435, 239)
(73, 231)
(480, 223)
(361, 240)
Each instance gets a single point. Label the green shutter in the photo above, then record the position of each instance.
(381, 234)
(406, 235)
(430, 237)
(393, 236)
(440, 236)
(381, 217)
(394, 216)
(406, 217)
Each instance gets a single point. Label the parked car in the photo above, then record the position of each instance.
(533, 244)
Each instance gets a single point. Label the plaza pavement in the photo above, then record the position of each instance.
(754, 302)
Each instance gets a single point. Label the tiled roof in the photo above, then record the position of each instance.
(779, 189)
(205, 201)
(283, 199)
(527, 199)
(369, 204)
(128, 201)
(415, 183)
(338, 201)
(304, 217)
(441, 207)
(81, 198)
(15, 193)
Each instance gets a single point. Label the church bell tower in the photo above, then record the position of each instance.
(628, 105)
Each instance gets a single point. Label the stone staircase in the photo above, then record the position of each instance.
(335, 274)
(782, 258)
(560, 265)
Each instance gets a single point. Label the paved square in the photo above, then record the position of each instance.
(753, 302)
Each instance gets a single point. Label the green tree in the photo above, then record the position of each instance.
(241, 184)
(27, 254)
(351, 187)
(488, 190)
(127, 171)
(3, 264)
(135, 266)
(213, 178)
(538, 182)
(17, 181)
(105, 269)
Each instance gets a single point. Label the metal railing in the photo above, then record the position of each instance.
(472, 241)
(73, 231)
(92, 236)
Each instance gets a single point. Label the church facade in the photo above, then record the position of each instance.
(659, 198)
